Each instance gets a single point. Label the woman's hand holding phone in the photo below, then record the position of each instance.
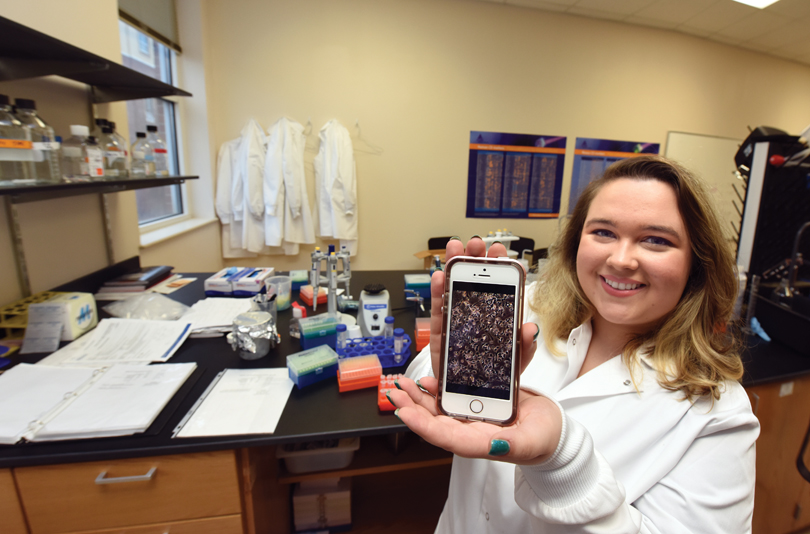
(535, 433)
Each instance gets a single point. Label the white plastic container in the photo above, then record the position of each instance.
(319, 455)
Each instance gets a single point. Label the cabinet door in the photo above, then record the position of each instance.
(11, 516)
(782, 499)
(70, 498)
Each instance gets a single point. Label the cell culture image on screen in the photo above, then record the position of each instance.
(480, 339)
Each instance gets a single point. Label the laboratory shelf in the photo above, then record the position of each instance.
(34, 192)
(378, 455)
(27, 53)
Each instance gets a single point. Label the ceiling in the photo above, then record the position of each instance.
(781, 29)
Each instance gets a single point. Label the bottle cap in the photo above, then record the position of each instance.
(151, 128)
(297, 313)
(399, 332)
(340, 327)
(389, 320)
(101, 122)
(79, 130)
(111, 124)
(141, 135)
(92, 140)
(24, 103)
(3, 100)
(106, 130)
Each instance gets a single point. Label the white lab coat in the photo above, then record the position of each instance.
(336, 186)
(636, 462)
(287, 219)
(231, 228)
(249, 171)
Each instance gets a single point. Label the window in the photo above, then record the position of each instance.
(148, 56)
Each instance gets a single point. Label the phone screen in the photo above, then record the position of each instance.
(481, 339)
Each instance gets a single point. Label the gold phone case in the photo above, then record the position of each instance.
(518, 343)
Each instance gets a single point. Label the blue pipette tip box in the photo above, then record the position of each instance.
(313, 365)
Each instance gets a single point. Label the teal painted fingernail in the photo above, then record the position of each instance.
(476, 235)
(396, 412)
(499, 242)
(498, 447)
(387, 396)
(396, 383)
(457, 238)
(420, 386)
(537, 333)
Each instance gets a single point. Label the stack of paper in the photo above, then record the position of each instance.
(130, 341)
(213, 317)
(239, 401)
(42, 403)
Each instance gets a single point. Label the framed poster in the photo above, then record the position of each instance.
(593, 156)
(514, 176)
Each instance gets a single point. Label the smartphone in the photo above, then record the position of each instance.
(480, 351)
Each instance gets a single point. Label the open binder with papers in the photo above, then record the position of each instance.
(44, 403)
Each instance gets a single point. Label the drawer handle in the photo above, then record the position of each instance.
(102, 478)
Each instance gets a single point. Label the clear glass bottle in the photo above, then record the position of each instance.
(123, 144)
(295, 326)
(143, 159)
(94, 156)
(100, 124)
(159, 151)
(115, 159)
(74, 155)
(15, 146)
(45, 166)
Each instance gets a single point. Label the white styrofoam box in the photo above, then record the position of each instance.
(77, 310)
(318, 455)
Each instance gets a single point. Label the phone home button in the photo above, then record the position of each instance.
(476, 406)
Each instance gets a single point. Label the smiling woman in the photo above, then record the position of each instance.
(630, 416)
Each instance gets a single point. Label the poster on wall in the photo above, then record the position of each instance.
(593, 156)
(514, 176)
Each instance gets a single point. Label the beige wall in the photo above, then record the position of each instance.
(420, 74)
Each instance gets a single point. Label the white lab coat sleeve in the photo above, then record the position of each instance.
(290, 169)
(709, 490)
(346, 173)
(223, 205)
(255, 176)
(272, 172)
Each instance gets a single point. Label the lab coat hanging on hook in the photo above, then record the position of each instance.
(250, 170)
(288, 219)
(226, 190)
(336, 186)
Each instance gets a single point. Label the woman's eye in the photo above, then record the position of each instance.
(660, 241)
(603, 233)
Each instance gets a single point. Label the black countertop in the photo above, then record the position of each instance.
(315, 412)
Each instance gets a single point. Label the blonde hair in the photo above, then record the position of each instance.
(691, 348)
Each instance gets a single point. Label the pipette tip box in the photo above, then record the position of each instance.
(422, 332)
(385, 385)
(318, 330)
(221, 284)
(359, 372)
(362, 346)
(299, 278)
(313, 365)
(251, 282)
(305, 293)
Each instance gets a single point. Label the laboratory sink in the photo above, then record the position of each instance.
(787, 322)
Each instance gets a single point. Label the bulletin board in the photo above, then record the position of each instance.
(514, 176)
(593, 156)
